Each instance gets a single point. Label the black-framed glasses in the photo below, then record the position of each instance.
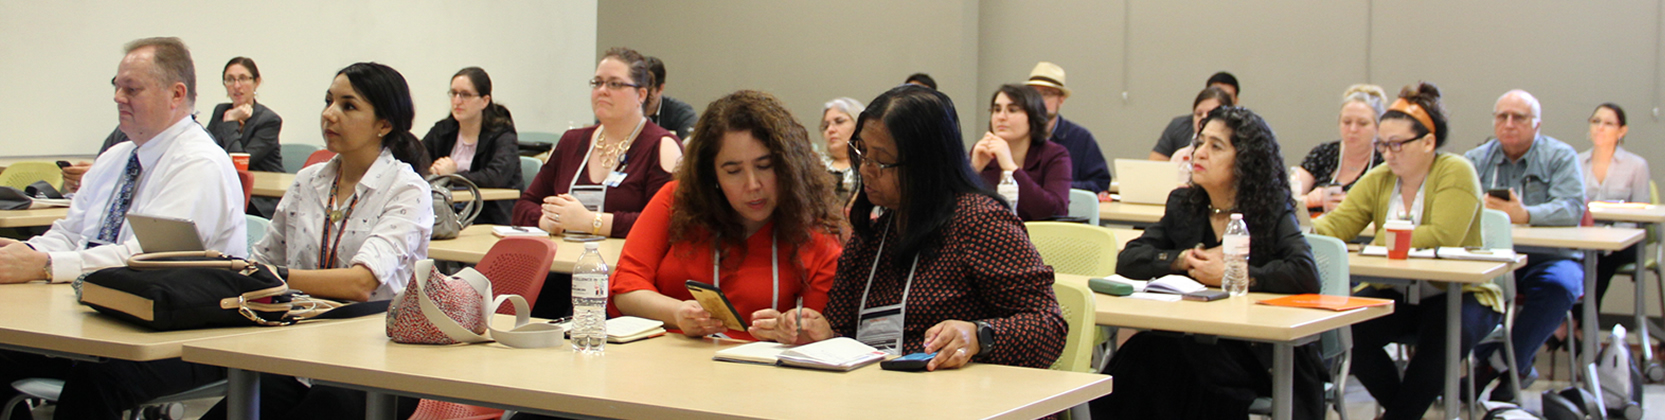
(858, 156)
(610, 84)
(1510, 117)
(231, 80)
(1383, 146)
(464, 95)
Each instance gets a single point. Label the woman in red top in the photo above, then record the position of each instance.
(757, 220)
(598, 178)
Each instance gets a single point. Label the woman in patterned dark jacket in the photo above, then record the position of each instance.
(946, 268)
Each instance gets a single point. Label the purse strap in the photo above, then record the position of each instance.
(211, 259)
(524, 334)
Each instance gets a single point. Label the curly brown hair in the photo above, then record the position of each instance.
(804, 201)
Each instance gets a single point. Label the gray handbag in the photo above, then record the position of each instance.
(448, 220)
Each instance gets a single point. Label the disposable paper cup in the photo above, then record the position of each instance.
(240, 160)
(1399, 239)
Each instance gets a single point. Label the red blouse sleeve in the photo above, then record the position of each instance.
(821, 265)
(645, 248)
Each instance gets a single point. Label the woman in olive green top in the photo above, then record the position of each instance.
(1440, 194)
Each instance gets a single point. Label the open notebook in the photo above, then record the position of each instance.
(839, 354)
(1448, 252)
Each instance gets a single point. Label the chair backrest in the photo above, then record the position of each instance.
(1076, 302)
(1075, 248)
(1334, 280)
(538, 137)
(247, 179)
(295, 154)
(529, 167)
(518, 265)
(318, 157)
(21, 174)
(1497, 233)
(443, 410)
(1084, 204)
(257, 230)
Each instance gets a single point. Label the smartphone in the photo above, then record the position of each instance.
(1206, 295)
(717, 303)
(910, 363)
(1500, 193)
(64, 164)
(581, 237)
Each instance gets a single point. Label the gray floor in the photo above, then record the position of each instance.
(1360, 406)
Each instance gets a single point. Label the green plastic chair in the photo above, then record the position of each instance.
(21, 174)
(539, 137)
(529, 167)
(1084, 204)
(295, 155)
(257, 230)
(1074, 248)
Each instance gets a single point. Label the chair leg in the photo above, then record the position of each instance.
(1340, 380)
(1509, 355)
(12, 404)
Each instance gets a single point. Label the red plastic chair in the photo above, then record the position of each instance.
(248, 186)
(319, 156)
(515, 265)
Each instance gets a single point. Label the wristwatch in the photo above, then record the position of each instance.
(46, 270)
(595, 224)
(985, 337)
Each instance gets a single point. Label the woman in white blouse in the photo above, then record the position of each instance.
(350, 229)
(1612, 173)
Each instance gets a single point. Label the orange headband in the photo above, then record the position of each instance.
(1414, 111)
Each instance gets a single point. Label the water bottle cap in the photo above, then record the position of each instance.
(591, 246)
(1237, 216)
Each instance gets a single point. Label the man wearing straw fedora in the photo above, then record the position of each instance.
(1091, 173)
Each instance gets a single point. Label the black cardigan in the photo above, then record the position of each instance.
(1288, 268)
(496, 163)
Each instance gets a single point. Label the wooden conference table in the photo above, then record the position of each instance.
(1647, 214)
(471, 245)
(1117, 212)
(1592, 240)
(32, 217)
(274, 184)
(666, 377)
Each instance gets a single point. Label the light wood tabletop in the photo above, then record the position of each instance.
(47, 317)
(472, 244)
(1233, 317)
(1123, 236)
(666, 377)
(1130, 213)
(1432, 269)
(1580, 237)
(274, 184)
(32, 217)
(1628, 212)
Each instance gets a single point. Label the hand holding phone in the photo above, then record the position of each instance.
(714, 301)
(911, 363)
(1499, 193)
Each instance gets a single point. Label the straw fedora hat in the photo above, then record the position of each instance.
(1049, 75)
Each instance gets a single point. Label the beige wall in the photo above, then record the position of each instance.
(1294, 58)
(59, 58)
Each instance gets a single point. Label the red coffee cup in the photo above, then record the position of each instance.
(240, 160)
(1399, 239)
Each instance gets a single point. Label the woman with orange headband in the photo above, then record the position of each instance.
(1439, 193)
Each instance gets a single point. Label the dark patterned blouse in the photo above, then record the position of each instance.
(1323, 159)
(980, 267)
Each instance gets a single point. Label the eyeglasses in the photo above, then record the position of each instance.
(231, 80)
(1384, 146)
(1510, 117)
(1604, 123)
(858, 156)
(610, 84)
(465, 95)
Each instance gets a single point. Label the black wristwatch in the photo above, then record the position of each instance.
(985, 337)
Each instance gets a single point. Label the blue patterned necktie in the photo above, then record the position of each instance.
(118, 207)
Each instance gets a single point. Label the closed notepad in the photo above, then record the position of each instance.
(626, 329)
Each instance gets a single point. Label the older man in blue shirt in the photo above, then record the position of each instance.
(1546, 188)
(1086, 161)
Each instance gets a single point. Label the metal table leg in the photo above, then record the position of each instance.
(1283, 381)
(242, 394)
(379, 406)
(1453, 345)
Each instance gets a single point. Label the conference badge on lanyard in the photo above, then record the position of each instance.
(591, 196)
(881, 328)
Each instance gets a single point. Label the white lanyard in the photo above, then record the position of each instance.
(902, 306)
(1341, 157)
(1396, 204)
(599, 129)
(774, 263)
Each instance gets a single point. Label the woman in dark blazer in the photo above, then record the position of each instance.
(245, 126)
(477, 141)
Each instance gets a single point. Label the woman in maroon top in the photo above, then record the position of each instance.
(947, 265)
(599, 178)
(1016, 143)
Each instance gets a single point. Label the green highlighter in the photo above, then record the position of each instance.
(1109, 287)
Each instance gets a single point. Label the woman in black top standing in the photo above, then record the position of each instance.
(477, 141)
(1237, 167)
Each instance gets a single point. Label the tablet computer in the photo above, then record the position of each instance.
(164, 234)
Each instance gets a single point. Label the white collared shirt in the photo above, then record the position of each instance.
(387, 232)
(185, 175)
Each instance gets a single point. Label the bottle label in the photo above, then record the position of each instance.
(1235, 244)
(589, 286)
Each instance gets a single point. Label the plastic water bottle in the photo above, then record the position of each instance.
(1236, 248)
(1009, 189)
(589, 301)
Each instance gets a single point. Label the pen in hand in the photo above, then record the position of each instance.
(800, 318)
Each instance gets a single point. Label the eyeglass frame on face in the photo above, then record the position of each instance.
(453, 94)
(597, 83)
(1384, 146)
(856, 146)
(1513, 118)
(232, 80)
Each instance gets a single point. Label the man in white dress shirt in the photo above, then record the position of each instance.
(172, 168)
(180, 172)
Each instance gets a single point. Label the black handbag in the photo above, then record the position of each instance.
(168, 291)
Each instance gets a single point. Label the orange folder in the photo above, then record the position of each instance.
(1334, 303)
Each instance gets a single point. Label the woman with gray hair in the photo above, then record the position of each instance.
(1342, 162)
(838, 123)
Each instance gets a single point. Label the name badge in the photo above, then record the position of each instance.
(881, 328)
(590, 195)
(614, 179)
